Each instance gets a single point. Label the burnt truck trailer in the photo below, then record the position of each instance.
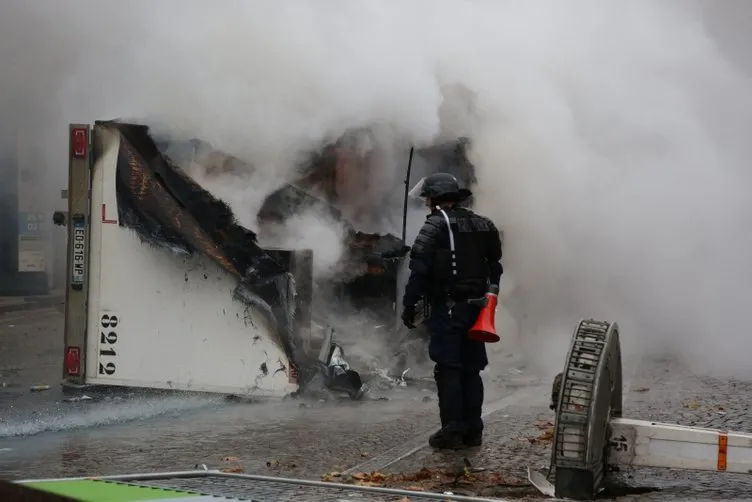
(165, 290)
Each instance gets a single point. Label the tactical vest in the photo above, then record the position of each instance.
(460, 269)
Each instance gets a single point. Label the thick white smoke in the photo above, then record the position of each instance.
(611, 137)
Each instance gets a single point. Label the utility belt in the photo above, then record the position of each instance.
(450, 299)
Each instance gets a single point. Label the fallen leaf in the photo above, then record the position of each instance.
(367, 483)
(364, 454)
(230, 459)
(416, 488)
(692, 405)
(545, 424)
(495, 478)
(404, 499)
(546, 436)
(272, 463)
(329, 477)
(360, 476)
(421, 475)
(378, 475)
(235, 469)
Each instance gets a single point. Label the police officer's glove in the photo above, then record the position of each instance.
(408, 316)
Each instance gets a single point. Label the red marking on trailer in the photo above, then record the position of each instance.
(104, 216)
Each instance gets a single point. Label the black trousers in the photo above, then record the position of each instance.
(459, 362)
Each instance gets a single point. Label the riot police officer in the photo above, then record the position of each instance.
(456, 257)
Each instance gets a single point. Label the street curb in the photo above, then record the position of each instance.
(32, 303)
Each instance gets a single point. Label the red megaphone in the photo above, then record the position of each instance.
(484, 329)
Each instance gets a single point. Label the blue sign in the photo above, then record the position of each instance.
(31, 223)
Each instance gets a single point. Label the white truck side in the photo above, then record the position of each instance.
(146, 317)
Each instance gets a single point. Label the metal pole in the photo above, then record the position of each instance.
(407, 191)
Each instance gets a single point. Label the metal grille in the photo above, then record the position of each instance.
(577, 392)
(276, 491)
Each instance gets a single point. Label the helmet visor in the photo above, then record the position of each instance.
(417, 190)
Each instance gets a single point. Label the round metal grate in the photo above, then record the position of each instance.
(589, 394)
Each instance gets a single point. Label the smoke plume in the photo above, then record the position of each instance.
(611, 138)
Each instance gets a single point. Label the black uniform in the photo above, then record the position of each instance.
(446, 282)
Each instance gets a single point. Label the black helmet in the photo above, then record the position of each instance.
(441, 187)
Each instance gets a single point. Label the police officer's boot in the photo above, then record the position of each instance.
(449, 437)
(472, 438)
(446, 438)
(472, 407)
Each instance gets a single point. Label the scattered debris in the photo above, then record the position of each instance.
(640, 389)
(401, 382)
(75, 399)
(717, 408)
(39, 388)
(338, 376)
(692, 405)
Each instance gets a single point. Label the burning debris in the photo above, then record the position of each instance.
(336, 372)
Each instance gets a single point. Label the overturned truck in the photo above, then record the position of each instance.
(165, 289)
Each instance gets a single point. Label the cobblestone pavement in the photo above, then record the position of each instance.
(307, 438)
(293, 438)
(661, 390)
(30, 354)
(668, 391)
